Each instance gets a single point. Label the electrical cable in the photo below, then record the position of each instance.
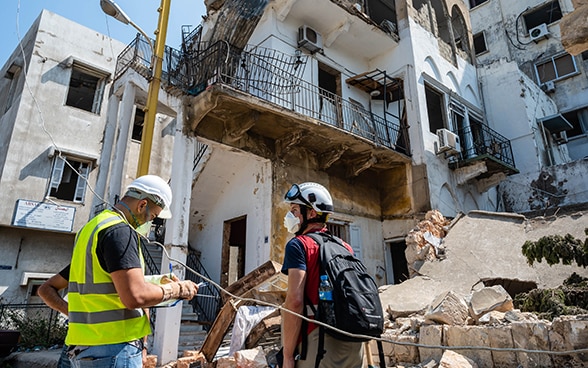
(383, 339)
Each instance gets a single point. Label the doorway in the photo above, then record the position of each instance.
(234, 250)
(397, 267)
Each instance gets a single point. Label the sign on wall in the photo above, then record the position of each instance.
(45, 216)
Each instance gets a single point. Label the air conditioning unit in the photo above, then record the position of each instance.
(309, 39)
(539, 32)
(548, 87)
(448, 142)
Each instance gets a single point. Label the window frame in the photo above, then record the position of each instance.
(486, 50)
(87, 70)
(534, 14)
(58, 168)
(551, 60)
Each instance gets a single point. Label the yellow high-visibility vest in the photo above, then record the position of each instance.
(96, 314)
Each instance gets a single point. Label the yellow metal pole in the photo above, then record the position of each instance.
(153, 93)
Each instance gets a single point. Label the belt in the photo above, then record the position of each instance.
(75, 350)
(137, 343)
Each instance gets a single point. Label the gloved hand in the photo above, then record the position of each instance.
(179, 290)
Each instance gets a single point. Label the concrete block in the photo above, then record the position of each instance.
(533, 336)
(569, 333)
(501, 337)
(451, 359)
(431, 335)
(471, 336)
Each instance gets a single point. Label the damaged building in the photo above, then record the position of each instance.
(392, 105)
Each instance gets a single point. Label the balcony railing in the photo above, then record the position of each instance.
(479, 140)
(274, 78)
(268, 75)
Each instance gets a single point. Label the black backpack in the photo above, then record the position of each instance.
(358, 309)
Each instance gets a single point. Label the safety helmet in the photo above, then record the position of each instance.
(154, 188)
(312, 195)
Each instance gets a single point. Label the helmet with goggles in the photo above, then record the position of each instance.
(154, 188)
(312, 195)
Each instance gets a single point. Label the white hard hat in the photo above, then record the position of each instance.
(312, 195)
(154, 188)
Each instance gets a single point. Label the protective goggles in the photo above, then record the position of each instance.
(296, 194)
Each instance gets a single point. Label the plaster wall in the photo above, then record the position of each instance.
(44, 120)
(25, 250)
(232, 184)
(517, 104)
(553, 187)
(493, 18)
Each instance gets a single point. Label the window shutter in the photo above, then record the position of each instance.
(56, 176)
(81, 184)
(97, 103)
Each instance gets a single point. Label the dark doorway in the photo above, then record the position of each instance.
(233, 253)
(399, 264)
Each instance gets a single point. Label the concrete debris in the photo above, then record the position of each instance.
(448, 309)
(451, 359)
(425, 242)
(488, 299)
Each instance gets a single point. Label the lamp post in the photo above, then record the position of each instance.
(158, 51)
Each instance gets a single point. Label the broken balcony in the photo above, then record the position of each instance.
(258, 95)
(480, 144)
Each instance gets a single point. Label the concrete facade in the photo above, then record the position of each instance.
(37, 126)
(523, 96)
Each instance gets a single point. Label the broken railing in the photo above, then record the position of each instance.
(276, 77)
(267, 74)
(479, 140)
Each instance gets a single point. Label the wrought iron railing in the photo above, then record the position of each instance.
(479, 140)
(267, 74)
(38, 324)
(208, 301)
(278, 81)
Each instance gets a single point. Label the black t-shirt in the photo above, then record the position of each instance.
(65, 272)
(117, 248)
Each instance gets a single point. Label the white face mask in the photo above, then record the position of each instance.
(291, 223)
(144, 229)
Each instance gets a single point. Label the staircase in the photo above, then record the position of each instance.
(192, 333)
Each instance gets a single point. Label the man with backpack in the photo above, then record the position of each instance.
(304, 344)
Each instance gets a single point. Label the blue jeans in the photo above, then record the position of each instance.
(63, 361)
(109, 356)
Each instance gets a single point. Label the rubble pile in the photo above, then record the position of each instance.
(484, 318)
(425, 241)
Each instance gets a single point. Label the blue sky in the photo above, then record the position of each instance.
(18, 15)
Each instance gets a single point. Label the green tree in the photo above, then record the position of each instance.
(556, 248)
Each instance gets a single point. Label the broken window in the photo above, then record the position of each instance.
(474, 3)
(382, 12)
(138, 122)
(12, 75)
(480, 43)
(435, 108)
(329, 81)
(86, 89)
(579, 120)
(460, 33)
(555, 68)
(68, 179)
(547, 14)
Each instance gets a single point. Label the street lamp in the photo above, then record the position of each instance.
(111, 8)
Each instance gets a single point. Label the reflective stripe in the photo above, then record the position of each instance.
(89, 263)
(103, 288)
(106, 316)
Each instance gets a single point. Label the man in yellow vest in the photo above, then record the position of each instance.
(107, 287)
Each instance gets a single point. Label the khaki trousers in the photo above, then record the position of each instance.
(339, 354)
